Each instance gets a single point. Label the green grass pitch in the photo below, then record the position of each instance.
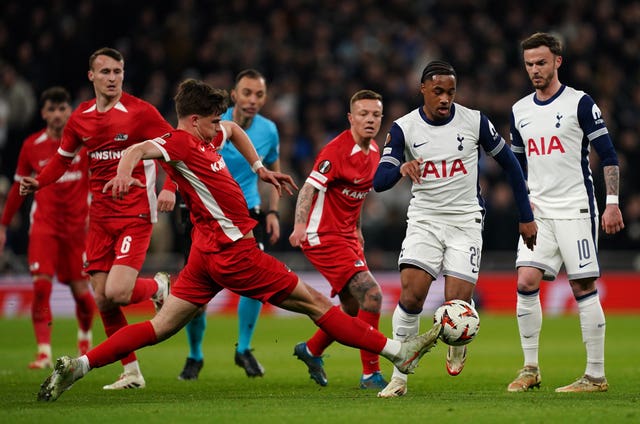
(223, 394)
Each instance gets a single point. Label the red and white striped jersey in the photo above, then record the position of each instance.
(218, 209)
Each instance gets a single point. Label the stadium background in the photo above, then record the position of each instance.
(315, 55)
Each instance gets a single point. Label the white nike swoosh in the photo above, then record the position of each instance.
(357, 180)
(86, 138)
(121, 256)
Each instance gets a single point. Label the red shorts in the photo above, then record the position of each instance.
(121, 241)
(241, 268)
(337, 259)
(58, 255)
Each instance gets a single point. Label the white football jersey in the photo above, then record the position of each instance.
(555, 137)
(449, 189)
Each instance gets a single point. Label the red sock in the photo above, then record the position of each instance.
(370, 361)
(41, 310)
(122, 344)
(351, 331)
(85, 310)
(319, 342)
(113, 320)
(143, 289)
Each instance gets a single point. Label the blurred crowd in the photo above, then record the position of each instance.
(315, 55)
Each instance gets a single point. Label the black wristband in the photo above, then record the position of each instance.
(273, 211)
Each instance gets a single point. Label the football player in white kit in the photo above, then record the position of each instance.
(552, 130)
(437, 147)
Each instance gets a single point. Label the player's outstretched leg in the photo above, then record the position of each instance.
(65, 373)
(414, 348)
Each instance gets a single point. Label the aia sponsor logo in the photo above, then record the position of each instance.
(543, 147)
(443, 169)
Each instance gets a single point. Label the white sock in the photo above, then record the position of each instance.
(132, 368)
(85, 335)
(45, 348)
(593, 324)
(529, 314)
(391, 348)
(404, 325)
(85, 367)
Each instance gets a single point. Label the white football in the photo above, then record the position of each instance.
(460, 322)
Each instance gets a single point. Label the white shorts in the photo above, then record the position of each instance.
(570, 241)
(436, 247)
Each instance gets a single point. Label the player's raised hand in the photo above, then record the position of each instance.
(278, 179)
(411, 169)
(28, 185)
(120, 184)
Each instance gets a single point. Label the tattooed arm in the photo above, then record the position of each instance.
(303, 207)
(612, 217)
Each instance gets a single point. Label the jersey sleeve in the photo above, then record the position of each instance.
(71, 143)
(14, 200)
(594, 128)
(517, 146)
(170, 147)
(12, 204)
(24, 167)
(56, 167)
(489, 138)
(324, 169)
(495, 146)
(388, 171)
(152, 123)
